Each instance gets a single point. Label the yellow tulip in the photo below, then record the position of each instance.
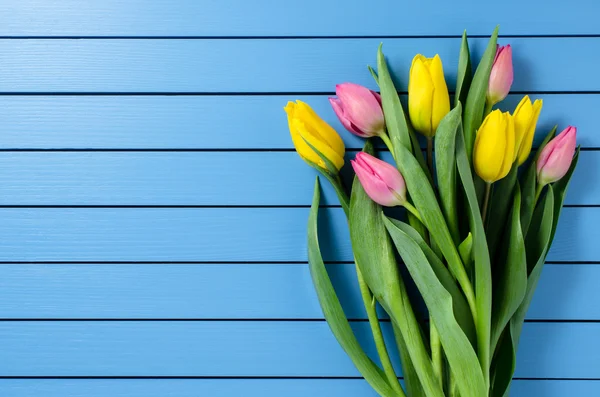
(494, 151)
(526, 116)
(428, 99)
(306, 127)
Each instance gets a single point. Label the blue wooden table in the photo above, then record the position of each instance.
(153, 211)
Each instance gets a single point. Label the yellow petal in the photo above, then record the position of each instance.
(527, 140)
(522, 117)
(307, 137)
(420, 97)
(510, 148)
(490, 147)
(441, 98)
(319, 128)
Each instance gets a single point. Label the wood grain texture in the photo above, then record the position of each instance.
(230, 291)
(213, 122)
(272, 18)
(214, 234)
(249, 348)
(252, 387)
(293, 65)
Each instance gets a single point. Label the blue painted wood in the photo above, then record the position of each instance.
(254, 291)
(209, 122)
(212, 178)
(252, 387)
(208, 234)
(250, 348)
(298, 65)
(309, 17)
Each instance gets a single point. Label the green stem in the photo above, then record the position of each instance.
(430, 154)
(370, 306)
(388, 143)
(413, 210)
(437, 355)
(488, 108)
(486, 202)
(538, 192)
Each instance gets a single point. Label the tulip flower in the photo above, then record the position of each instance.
(383, 182)
(311, 134)
(428, 99)
(359, 110)
(501, 76)
(556, 157)
(494, 150)
(526, 116)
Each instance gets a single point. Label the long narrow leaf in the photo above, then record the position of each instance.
(537, 245)
(476, 98)
(500, 204)
(374, 254)
(482, 266)
(446, 170)
(464, 77)
(457, 347)
(459, 303)
(411, 380)
(395, 120)
(510, 289)
(332, 309)
(421, 191)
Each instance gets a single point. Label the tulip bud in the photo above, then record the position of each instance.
(359, 110)
(382, 181)
(494, 150)
(556, 157)
(428, 98)
(526, 116)
(501, 76)
(308, 129)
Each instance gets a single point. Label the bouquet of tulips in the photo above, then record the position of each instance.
(480, 218)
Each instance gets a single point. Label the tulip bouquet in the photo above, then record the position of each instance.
(480, 218)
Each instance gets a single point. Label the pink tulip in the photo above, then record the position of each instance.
(382, 181)
(501, 77)
(556, 157)
(359, 109)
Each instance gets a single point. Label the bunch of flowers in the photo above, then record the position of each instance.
(480, 218)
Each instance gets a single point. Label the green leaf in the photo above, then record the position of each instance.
(459, 303)
(500, 205)
(457, 347)
(445, 138)
(528, 185)
(395, 120)
(482, 266)
(422, 193)
(510, 289)
(536, 246)
(332, 309)
(411, 380)
(476, 98)
(418, 153)
(375, 255)
(464, 77)
(465, 249)
(374, 74)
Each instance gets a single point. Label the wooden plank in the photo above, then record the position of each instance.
(248, 348)
(253, 291)
(251, 387)
(214, 234)
(190, 178)
(292, 65)
(310, 17)
(211, 122)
